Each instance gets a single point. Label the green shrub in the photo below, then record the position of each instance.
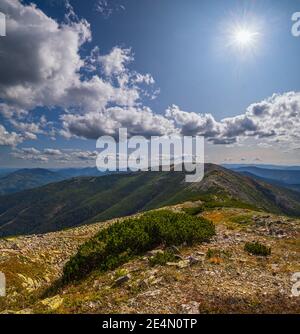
(256, 248)
(194, 211)
(161, 259)
(123, 240)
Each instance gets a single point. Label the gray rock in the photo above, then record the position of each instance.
(121, 280)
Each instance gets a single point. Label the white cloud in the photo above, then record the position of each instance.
(29, 136)
(40, 59)
(30, 129)
(107, 7)
(54, 155)
(52, 152)
(191, 123)
(277, 117)
(138, 121)
(84, 155)
(146, 78)
(9, 138)
(116, 61)
(42, 65)
(274, 119)
(27, 127)
(8, 111)
(29, 153)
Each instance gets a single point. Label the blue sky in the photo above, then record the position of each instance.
(179, 43)
(180, 51)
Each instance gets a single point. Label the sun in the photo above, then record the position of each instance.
(244, 38)
(242, 35)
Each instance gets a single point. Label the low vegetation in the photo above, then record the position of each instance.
(162, 258)
(256, 248)
(243, 220)
(212, 253)
(123, 240)
(211, 201)
(194, 211)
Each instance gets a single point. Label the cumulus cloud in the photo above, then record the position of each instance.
(84, 155)
(42, 66)
(9, 138)
(115, 62)
(52, 152)
(275, 119)
(29, 153)
(192, 123)
(8, 111)
(39, 57)
(54, 155)
(29, 136)
(29, 129)
(277, 116)
(138, 121)
(33, 128)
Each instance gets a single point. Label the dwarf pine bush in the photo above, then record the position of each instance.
(256, 248)
(123, 240)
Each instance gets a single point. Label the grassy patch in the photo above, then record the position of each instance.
(213, 201)
(211, 253)
(122, 241)
(245, 219)
(256, 248)
(227, 203)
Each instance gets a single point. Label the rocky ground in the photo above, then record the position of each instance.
(228, 281)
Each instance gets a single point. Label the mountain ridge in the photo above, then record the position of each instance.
(26, 178)
(286, 176)
(86, 200)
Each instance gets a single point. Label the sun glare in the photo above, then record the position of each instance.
(244, 38)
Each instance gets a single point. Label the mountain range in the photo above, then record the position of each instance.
(85, 200)
(287, 177)
(23, 179)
